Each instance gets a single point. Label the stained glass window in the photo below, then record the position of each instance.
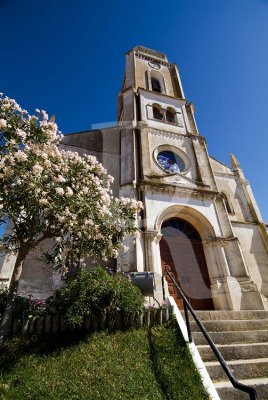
(170, 162)
(176, 227)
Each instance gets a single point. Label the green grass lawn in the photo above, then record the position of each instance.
(138, 364)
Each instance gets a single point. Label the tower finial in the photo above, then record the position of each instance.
(235, 163)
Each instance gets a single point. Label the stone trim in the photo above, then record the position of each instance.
(177, 176)
(244, 223)
(219, 239)
(182, 190)
(159, 95)
(188, 135)
(152, 59)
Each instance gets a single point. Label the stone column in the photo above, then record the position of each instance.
(153, 261)
(140, 251)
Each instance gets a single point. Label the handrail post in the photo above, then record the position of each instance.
(186, 313)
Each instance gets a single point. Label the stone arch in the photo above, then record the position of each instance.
(189, 214)
(158, 112)
(207, 234)
(171, 115)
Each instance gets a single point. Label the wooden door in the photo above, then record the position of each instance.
(183, 255)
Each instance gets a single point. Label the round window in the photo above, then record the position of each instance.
(170, 161)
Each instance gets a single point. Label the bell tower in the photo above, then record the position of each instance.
(165, 164)
(152, 100)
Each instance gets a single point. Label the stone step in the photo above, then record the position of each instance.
(227, 392)
(242, 339)
(231, 337)
(232, 325)
(228, 315)
(236, 351)
(242, 369)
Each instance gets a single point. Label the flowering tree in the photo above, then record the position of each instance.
(47, 193)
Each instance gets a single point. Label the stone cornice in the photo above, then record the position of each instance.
(162, 133)
(188, 135)
(182, 101)
(177, 176)
(184, 191)
(152, 59)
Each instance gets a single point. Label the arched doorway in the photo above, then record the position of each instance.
(182, 254)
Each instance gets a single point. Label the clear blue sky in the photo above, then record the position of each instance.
(67, 57)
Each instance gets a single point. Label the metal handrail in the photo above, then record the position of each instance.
(186, 305)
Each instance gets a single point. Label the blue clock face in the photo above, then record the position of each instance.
(170, 162)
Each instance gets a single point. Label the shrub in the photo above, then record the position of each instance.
(93, 292)
(23, 307)
(27, 307)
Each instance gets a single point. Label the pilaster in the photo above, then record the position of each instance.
(153, 261)
(231, 286)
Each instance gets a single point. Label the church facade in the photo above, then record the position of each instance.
(200, 219)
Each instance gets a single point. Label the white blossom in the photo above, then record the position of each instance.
(60, 179)
(21, 133)
(60, 191)
(3, 123)
(69, 191)
(37, 169)
(85, 189)
(21, 155)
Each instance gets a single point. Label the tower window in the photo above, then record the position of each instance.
(156, 81)
(170, 115)
(156, 87)
(157, 112)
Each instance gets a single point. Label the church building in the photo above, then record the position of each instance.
(200, 218)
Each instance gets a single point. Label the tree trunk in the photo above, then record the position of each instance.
(6, 321)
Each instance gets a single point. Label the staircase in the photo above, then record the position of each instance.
(242, 338)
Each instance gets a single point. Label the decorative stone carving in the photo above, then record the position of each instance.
(152, 59)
